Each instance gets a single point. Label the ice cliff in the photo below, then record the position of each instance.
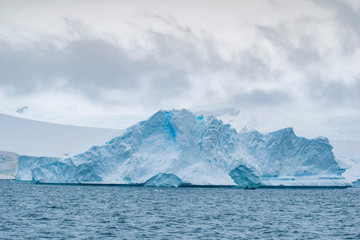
(286, 159)
(177, 147)
(356, 183)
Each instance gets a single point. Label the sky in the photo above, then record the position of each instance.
(111, 64)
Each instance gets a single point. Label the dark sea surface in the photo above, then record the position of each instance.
(32, 211)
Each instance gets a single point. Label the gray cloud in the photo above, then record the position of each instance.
(260, 97)
(253, 68)
(201, 54)
(26, 69)
(89, 66)
(83, 63)
(294, 57)
(166, 85)
(302, 51)
(332, 93)
(98, 63)
(301, 54)
(347, 18)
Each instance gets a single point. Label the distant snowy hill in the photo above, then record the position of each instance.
(28, 137)
(8, 165)
(178, 147)
(348, 153)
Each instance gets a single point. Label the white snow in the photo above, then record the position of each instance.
(28, 137)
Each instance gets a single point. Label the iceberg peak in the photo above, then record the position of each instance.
(285, 132)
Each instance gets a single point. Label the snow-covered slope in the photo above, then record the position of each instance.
(177, 145)
(28, 137)
(8, 165)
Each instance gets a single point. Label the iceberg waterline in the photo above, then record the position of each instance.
(177, 147)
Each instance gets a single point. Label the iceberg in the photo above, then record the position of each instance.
(243, 176)
(177, 146)
(356, 184)
(26, 165)
(285, 159)
(164, 180)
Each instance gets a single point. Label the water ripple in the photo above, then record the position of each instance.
(33, 211)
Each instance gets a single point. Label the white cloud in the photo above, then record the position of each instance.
(111, 64)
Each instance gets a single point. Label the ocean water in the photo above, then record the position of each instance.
(31, 211)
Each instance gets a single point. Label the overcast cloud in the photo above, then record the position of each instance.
(111, 64)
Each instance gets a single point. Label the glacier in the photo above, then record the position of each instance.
(178, 147)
